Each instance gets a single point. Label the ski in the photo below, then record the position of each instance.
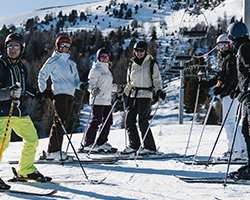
(15, 179)
(120, 156)
(215, 162)
(84, 182)
(74, 161)
(220, 180)
(30, 193)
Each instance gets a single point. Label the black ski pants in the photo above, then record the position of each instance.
(142, 108)
(63, 104)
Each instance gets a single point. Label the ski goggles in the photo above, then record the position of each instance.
(9, 46)
(104, 57)
(64, 44)
(223, 46)
(140, 50)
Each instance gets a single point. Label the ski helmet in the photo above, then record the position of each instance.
(102, 51)
(62, 38)
(15, 37)
(236, 30)
(223, 42)
(141, 44)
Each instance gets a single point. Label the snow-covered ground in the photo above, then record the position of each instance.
(149, 179)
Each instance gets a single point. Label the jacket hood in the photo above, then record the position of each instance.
(64, 56)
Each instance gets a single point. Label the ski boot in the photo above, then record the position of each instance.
(3, 185)
(35, 176)
(242, 173)
(107, 148)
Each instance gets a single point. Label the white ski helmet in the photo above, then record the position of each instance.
(223, 38)
(223, 42)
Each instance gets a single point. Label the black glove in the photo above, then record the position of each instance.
(234, 93)
(48, 94)
(95, 91)
(161, 94)
(216, 91)
(44, 95)
(84, 86)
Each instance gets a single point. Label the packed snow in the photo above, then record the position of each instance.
(141, 179)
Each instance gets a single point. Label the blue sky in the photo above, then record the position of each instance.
(12, 7)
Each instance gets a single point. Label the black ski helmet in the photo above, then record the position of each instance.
(236, 30)
(15, 37)
(141, 44)
(102, 51)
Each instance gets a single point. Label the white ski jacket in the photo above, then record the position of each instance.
(140, 76)
(101, 77)
(63, 72)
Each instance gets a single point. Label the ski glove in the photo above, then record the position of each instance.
(95, 91)
(84, 86)
(161, 94)
(217, 91)
(44, 95)
(15, 91)
(234, 93)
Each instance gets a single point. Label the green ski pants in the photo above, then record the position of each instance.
(23, 127)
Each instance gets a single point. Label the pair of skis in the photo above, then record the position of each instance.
(46, 180)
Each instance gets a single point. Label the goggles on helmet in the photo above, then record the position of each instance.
(223, 46)
(64, 44)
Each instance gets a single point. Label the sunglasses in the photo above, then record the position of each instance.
(222, 46)
(64, 44)
(9, 46)
(104, 57)
(139, 50)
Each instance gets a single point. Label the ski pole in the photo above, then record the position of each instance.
(146, 133)
(125, 121)
(15, 103)
(195, 108)
(85, 130)
(6, 130)
(103, 126)
(223, 123)
(65, 132)
(71, 133)
(205, 122)
(235, 132)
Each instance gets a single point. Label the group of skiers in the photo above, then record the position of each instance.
(65, 80)
(232, 84)
(143, 79)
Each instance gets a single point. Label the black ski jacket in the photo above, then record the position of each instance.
(227, 73)
(243, 62)
(10, 74)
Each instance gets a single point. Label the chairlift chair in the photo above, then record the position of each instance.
(191, 33)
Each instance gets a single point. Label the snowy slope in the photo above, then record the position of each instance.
(152, 179)
(145, 15)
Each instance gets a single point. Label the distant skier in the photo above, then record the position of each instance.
(100, 88)
(226, 81)
(13, 71)
(65, 80)
(141, 81)
(238, 33)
